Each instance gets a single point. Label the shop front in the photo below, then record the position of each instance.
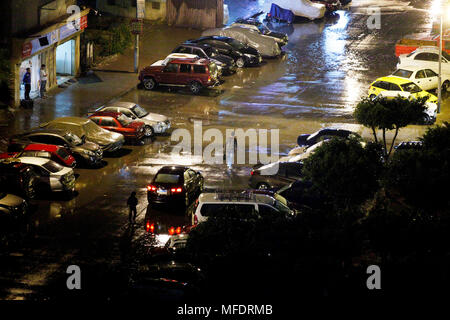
(58, 47)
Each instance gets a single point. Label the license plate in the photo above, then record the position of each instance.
(162, 192)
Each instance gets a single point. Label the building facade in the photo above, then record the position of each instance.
(154, 9)
(42, 32)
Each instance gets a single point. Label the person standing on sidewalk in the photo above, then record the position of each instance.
(27, 82)
(132, 203)
(43, 81)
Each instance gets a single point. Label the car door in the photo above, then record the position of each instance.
(421, 80)
(394, 87)
(109, 124)
(293, 171)
(169, 74)
(184, 76)
(432, 78)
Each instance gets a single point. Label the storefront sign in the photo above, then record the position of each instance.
(76, 25)
(136, 26)
(39, 43)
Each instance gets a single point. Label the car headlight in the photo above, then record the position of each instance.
(89, 153)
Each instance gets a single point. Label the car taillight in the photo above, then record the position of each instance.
(178, 230)
(171, 230)
(151, 188)
(176, 190)
(252, 172)
(150, 227)
(195, 219)
(209, 78)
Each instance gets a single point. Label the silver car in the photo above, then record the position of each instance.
(154, 123)
(267, 46)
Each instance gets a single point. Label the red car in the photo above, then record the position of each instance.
(120, 123)
(194, 73)
(48, 151)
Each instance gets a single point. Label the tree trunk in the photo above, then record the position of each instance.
(374, 134)
(384, 143)
(393, 140)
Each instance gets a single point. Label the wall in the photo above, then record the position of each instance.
(201, 14)
(122, 8)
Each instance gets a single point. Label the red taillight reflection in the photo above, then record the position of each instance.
(151, 188)
(176, 190)
(178, 230)
(171, 230)
(252, 172)
(195, 219)
(150, 227)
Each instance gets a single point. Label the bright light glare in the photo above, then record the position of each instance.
(435, 8)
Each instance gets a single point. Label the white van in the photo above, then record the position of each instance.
(237, 206)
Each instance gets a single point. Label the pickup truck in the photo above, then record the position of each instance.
(412, 42)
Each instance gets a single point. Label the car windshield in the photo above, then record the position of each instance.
(281, 207)
(124, 120)
(263, 29)
(167, 178)
(139, 111)
(411, 87)
(91, 128)
(446, 55)
(402, 73)
(73, 139)
(209, 52)
(236, 44)
(52, 166)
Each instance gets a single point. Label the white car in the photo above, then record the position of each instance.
(51, 175)
(154, 123)
(237, 206)
(427, 58)
(426, 79)
(266, 32)
(431, 107)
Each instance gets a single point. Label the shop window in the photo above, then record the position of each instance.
(156, 5)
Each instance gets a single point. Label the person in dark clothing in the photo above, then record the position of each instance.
(132, 203)
(27, 82)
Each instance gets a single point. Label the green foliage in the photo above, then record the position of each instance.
(389, 114)
(344, 171)
(5, 76)
(114, 41)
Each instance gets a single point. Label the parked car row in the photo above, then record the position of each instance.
(200, 63)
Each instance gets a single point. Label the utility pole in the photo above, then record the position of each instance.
(140, 15)
(440, 67)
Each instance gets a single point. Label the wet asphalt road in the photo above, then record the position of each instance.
(327, 67)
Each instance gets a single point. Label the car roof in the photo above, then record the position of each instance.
(33, 160)
(40, 147)
(121, 104)
(71, 120)
(394, 79)
(195, 45)
(218, 197)
(106, 114)
(220, 38)
(410, 68)
(200, 61)
(58, 131)
(173, 169)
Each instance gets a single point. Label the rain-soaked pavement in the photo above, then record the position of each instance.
(327, 67)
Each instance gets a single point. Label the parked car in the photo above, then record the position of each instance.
(397, 86)
(83, 151)
(50, 175)
(18, 177)
(263, 178)
(177, 185)
(237, 206)
(195, 73)
(13, 205)
(203, 50)
(427, 58)
(242, 54)
(87, 129)
(262, 29)
(154, 122)
(118, 122)
(301, 8)
(426, 79)
(47, 151)
(325, 134)
(266, 46)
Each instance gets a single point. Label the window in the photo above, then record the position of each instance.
(62, 153)
(394, 87)
(434, 57)
(167, 178)
(266, 211)
(187, 176)
(430, 73)
(171, 67)
(423, 56)
(108, 122)
(200, 53)
(403, 73)
(96, 120)
(48, 140)
(199, 69)
(420, 74)
(156, 5)
(185, 68)
(411, 87)
(381, 85)
(183, 50)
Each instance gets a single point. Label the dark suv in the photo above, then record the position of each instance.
(195, 73)
(263, 177)
(83, 151)
(18, 177)
(225, 63)
(242, 54)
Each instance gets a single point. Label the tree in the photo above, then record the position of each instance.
(5, 77)
(344, 171)
(389, 114)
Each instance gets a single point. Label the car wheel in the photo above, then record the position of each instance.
(149, 84)
(372, 96)
(195, 87)
(240, 63)
(148, 131)
(445, 86)
(263, 186)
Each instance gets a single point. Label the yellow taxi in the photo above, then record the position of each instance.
(397, 84)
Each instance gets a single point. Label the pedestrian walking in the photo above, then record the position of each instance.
(43, 81)
(132, 203)
(27, 82)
